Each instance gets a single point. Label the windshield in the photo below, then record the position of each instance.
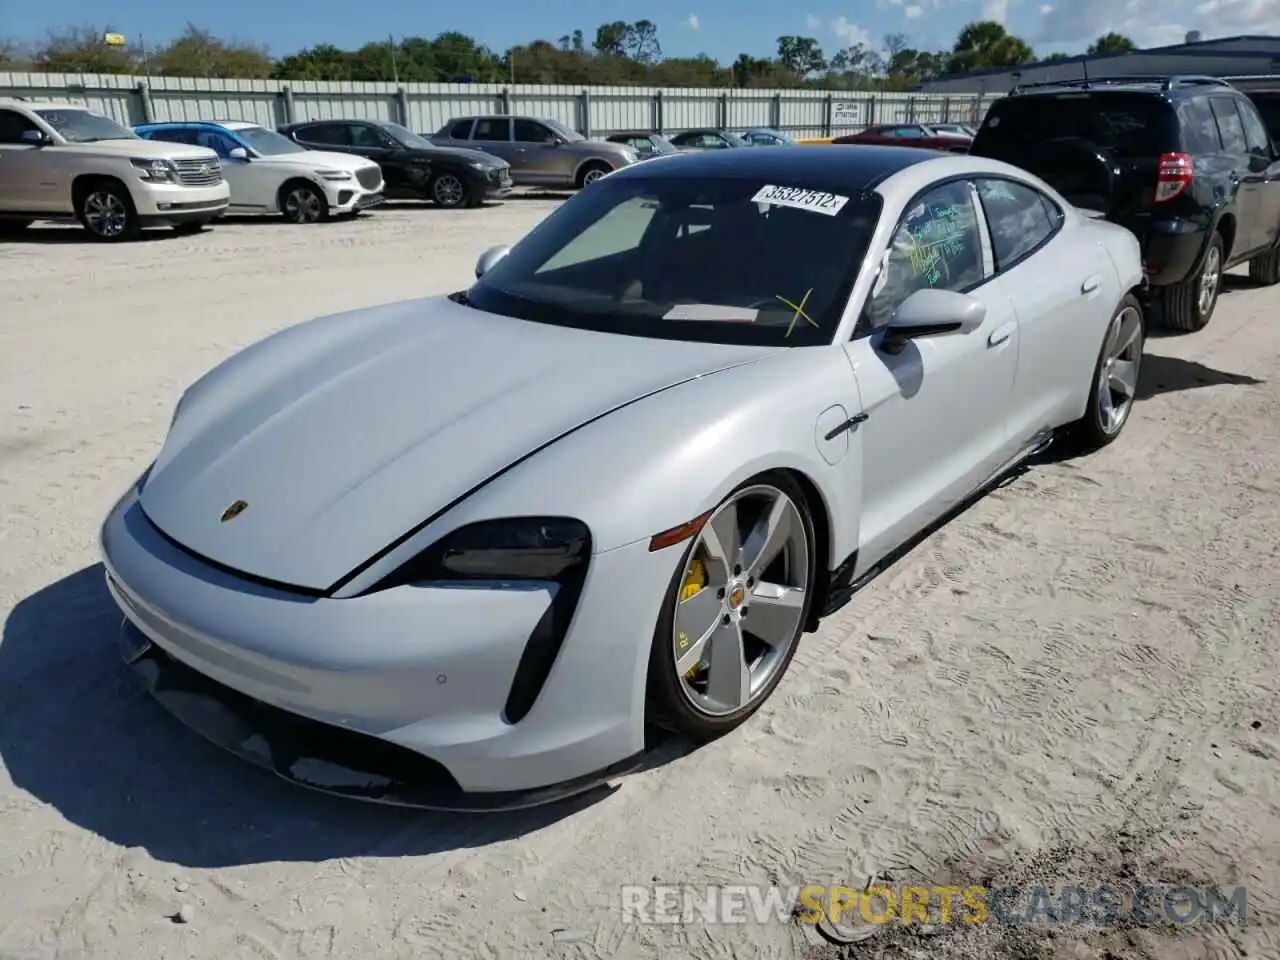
(661, 144)
(81, 126)
(680, 258)
(569, 134)
(407, 137)
(268, 142)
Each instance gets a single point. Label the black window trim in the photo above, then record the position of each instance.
(510, 130)
(536, 123)
(300, 132)
(997, 268)
(862, 330)
(471, 126)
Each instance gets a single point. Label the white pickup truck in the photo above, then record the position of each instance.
(61, 161)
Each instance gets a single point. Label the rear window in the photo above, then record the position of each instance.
(1128, 126)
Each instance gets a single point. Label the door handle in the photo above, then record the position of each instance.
(846, 426)
(1090, 284)
(1001, 335)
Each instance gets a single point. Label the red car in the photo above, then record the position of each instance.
(909, 135)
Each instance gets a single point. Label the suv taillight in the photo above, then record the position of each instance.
(1173, 175)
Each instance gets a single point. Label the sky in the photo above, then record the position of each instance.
(719, 28)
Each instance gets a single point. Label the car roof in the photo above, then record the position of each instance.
(10, 102)
(1176, 85)
(857, 168)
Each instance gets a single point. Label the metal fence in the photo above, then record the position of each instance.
(426, 107)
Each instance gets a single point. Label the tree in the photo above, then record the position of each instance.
(986, 44)
(198, 53)
(801, 56)
(1055, 58)
(613, 38)
(642, 42)
(12, 57)
(322, 62)
(856, 67)
(1111, 43)
(83, 50)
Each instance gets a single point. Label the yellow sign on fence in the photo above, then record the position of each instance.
(113, 39)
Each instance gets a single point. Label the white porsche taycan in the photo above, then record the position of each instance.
(462, 552)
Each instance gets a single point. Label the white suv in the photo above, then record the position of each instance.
(270, 174)
(61, 160)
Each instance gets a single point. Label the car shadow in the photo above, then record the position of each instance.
(81, 735)
(57, 233)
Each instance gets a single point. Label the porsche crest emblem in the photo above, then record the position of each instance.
(234, 511)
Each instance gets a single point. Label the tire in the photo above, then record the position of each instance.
(302, 202)
(105, 210)
(1265, 270)
(591, 172)
(685, 702)
(450, 191)
(1104, 419)
(1185, 306)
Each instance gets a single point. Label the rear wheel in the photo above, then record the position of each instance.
(734, 611)
(1266, 268)
(1189, 305)
(1115, 379)
(449, 191)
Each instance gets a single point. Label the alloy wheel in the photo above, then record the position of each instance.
(448, 190)
(740, 607)
(1118, 373)
(105, 214)
(302, 205)
(1210, 279)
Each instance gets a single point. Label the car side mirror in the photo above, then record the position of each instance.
(932, 313)
(238, 153)
(37, 138)
(489, 258)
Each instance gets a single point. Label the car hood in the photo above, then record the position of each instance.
(322, 159)
(344, 433)
(143, 149)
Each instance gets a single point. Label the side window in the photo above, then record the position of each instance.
(174, 135)
(530, 131)
(1233, 140)
(496, 129)
(461, 130)
(1200, 129)
(1255, 134)
(363, 135)
(329, 134)
(13, 125)
(1017, 217)
(937, 245)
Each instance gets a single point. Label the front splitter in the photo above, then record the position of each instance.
(320, 756)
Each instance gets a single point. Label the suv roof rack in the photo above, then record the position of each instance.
(1166, 83)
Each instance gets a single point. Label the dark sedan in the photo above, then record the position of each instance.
(412, 168)
(916, 135)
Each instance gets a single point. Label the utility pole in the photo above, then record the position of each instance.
(395, 71)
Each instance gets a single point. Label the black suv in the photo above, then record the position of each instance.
(412, 168)
(1186, 163)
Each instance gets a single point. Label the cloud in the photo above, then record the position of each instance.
(997, 10)
(693, 23)
(1153, 23)
(913, 12)
(850, 33)
(813, 23)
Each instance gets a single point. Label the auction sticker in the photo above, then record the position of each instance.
(816, 201)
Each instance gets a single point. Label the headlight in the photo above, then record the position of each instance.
(156, 171)
(477, 165)
(520, 548)
(333, 174)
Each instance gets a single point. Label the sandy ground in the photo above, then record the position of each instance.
(1074, 682)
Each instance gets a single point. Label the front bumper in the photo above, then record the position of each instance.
(419, 671)
(1171, 250)
(348, 196)
(497, 187)
(173, 203)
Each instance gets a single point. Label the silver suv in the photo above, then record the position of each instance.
(543, 153)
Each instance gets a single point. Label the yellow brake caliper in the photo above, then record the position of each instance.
(694, 581)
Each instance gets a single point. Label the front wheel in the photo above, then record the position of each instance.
(1114, 387)
(106, 212)
(303, 203)
(734, 612)
(593, 172)
(449, 191)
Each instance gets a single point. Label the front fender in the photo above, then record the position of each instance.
(658, 463)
